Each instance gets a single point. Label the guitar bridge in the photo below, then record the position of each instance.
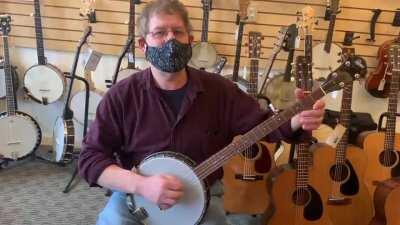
(338, 200)
(248, 177)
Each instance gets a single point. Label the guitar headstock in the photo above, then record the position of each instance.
(302, 74)
(5, 25)
(290, 37)
(307, 21)
(88, 10)
(280, 39)
(255, 44)
(334, 6)
(243, 5)
(207, 4)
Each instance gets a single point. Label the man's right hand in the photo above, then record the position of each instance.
(163, 190)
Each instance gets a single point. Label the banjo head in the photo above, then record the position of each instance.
(21, 135)
(44, 81)
(191, 207)
(78, 105)
(324, 63)
(63, 140)
(204, 55)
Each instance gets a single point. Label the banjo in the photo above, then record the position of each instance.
(44, 83)
(327, 56)
(131, 69)
(204, 55)
(3, 79)
(64, 131)
(21, 134)
(192, 206)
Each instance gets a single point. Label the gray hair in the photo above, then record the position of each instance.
(169, 7)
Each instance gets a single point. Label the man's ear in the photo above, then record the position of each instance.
(142, 44)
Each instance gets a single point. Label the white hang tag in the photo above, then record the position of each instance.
(336, 135)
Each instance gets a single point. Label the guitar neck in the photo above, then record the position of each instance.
(245, 141)
(39, 34)
(303, 162)
(204, 29)
(236, 66)
(253, 81)
(345, 116)
(10, 92)
(329, 36)
(392, 108)
(131, 34)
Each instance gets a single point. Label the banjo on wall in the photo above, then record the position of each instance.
(21, 134)
(43, 82)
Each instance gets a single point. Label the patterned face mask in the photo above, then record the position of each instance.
(171, 57)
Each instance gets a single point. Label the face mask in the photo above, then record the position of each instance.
(171, 57)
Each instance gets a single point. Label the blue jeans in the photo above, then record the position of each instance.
(116, 211)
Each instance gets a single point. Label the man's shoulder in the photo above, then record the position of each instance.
(211, 79)
(130, 85)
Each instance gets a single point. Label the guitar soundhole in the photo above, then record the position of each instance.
(339, 172)
(388, 158)
(301, 197)
(251, 153)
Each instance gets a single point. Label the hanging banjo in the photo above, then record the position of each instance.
(64, 131)
(191, 208)
(131, 69)
(44, 83)
(21, 134)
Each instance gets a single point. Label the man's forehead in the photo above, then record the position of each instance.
(158, 20)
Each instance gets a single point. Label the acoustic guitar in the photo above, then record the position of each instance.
(44, 83)
(382, 147)
(326, 56)
(246, 174)
(378, 81)
(298, 194)
(192, 206)
(21, 134)
(343, 168)
(204, 55)
(386, 200)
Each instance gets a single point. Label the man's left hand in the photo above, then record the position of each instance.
(308, 119)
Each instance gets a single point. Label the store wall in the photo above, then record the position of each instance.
(63, 27)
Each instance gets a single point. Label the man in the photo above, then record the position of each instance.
(170, 106)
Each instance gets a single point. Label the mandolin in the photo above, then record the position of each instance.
(21, 134)
(382, 147)
(246, 174)
(204, 55)
(378, 81)
(343, 167)
(44, 83)
(386, 200)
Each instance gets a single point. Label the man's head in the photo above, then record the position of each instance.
(149, 23)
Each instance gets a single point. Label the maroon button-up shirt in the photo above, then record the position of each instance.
(134, 121)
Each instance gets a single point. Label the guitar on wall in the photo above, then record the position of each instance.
(326, 56)
(21, 134)
(192, 206)
(131, 69)
(245, 175)
(343, 167)
(378, 81)
(241, 20)
(204, 55)
(386, 200)
(298, 194)
(44, 83)
(280, 89)
(382, 148)
(64, 129)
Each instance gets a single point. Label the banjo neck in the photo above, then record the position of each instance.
(10, 92)
(131, 33)
(206, 15)
(39, 34)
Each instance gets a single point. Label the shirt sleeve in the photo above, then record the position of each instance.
(103, 138)
(246, 113)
